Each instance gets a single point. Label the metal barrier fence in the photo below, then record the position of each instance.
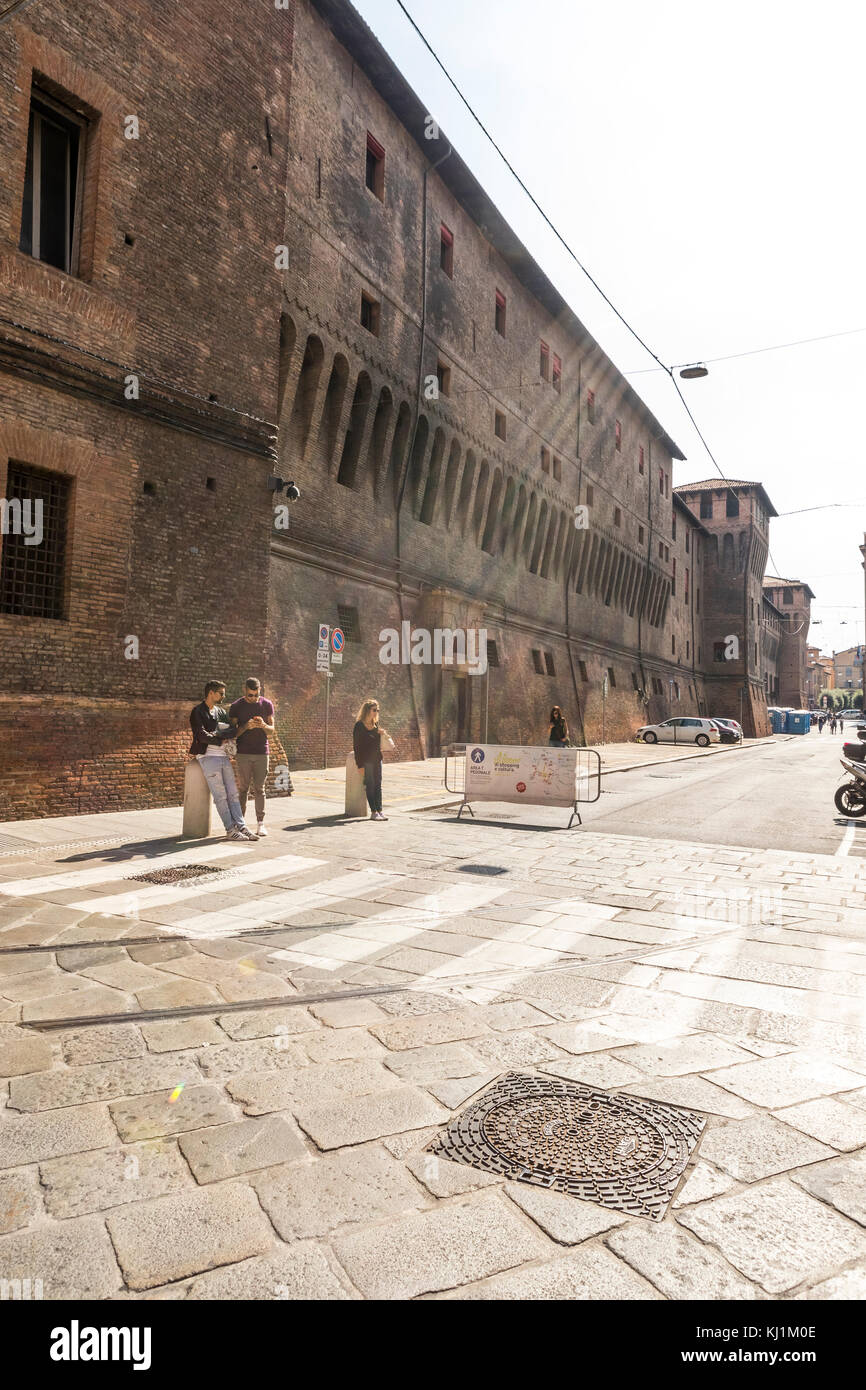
(587, 779)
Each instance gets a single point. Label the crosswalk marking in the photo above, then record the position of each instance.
(167, 894)
(84, 878)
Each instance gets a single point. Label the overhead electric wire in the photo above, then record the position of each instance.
(754, 352)
(559, 236)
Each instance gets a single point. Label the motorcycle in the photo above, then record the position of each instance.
(850, 798)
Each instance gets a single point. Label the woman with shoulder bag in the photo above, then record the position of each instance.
(557, 732)
(367, 739)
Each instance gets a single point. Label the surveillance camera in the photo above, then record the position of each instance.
(292, 492)
(275, 484)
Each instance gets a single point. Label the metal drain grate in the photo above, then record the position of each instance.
(481, 869)
(179, 874)
(622, 1152)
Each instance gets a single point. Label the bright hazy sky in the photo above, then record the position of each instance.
(705, 164)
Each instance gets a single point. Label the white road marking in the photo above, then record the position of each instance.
(83, 878)
(847, 840)
(166, 894)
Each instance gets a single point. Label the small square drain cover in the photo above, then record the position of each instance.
(177, 874)
(622, 1152)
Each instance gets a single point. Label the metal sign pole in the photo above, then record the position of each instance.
(327, 712)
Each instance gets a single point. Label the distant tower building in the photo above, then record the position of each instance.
(793, 599)
(737, 516)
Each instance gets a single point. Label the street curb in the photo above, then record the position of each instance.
(689, 757)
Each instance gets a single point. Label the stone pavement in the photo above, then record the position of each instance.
(227, 1089)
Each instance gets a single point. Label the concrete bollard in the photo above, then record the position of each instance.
(197, 803)
(356, 796)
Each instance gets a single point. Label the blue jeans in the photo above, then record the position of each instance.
(221, 780)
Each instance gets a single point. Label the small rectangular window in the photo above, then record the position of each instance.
(499, 316)
(375, 176)
(686, 590)
(348, 618)
(687, 542)
(706, 506)
(611, 675)
(617, 516)
(640, 459)
(537, 662)
(617, 435)
(640, 535)
(732, 504)
(698, 600)
(446, 250)
(590, 494)
(674, 576)
(492, 652)
(581, 666)
(51, 208)
(673, 526)
(443, 376)
(787, 596)
(590, 407)
(545, 460)
(661, 550)
(667, 485)
(557, 373)
(370, 314)
(634, 681)
(673, 645)
(544, 365)
(661, 481)
(499, 424)
(667, 554)
(718, 651)
(557, 470)
(549, 663)
(33, 576)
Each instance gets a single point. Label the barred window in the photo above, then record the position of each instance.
(349, 623)
(538, 662)
(34, 525)
(549, 663)
(492, 652)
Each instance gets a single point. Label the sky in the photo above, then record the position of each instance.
(704, 163)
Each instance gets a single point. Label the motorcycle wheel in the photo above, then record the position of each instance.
(850, 801)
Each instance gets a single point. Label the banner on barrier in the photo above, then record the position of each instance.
(537, 776)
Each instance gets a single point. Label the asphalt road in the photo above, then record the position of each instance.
(770, 796)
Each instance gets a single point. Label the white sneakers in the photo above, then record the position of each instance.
(377, 815)
(240, 832)
(261, 830)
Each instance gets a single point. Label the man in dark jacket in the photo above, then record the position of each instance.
(210, 730)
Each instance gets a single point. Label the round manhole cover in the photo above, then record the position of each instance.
(620, 1151)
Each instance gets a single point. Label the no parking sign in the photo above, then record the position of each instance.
(337, 643)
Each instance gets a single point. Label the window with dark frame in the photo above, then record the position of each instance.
(499, 426)
(492, 652)
(617, 516)
(537, 661)
(348, 621)
(719, 651)
(557, 373)
(375, 176)
(590, 407)
(640, 535)
(661, 481)
(33, 577)
(443, 376)
(370, 314)
(545, 460)
(499, 315)
(544, 363)
(611, 675)
(557, 470)
(617, 435)
(706, 506)
(674, 577)
(640, 460)
(590, 494)
(53, 183)
(446, 251)
(581, 666)
(549, 663)
(732, 504)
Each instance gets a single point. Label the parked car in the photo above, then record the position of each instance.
(729, 730)
(689, 730)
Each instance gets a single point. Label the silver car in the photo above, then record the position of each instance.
(681, 730)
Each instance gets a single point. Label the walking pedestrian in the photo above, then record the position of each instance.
(367, 738)
(832, 723)
(821, 722)
(557, 729)
(253, 717)
(841, 725)
(211, 730)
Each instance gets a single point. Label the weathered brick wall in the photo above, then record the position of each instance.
(178, 285)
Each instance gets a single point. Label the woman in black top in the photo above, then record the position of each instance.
(557, 733)
(367, 743)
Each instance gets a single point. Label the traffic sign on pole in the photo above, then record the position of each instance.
(337, 639)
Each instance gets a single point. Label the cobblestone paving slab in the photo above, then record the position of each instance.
(229, 1150)
(92, 1182)
(313, 1199)
(300, 1273)
(112, 1043)
(566, 1219)
(774, 1237)
(148, 1117)
(187, 1233)
(19, 1199)
(585, 1274)
(29, 1138)
(678, 1265)
(73, 1259)
(262, 1092)
(454, 1244)
(779, 1081)
(80, 1085)
(356, 1120)
(830, 1121)
(841, 1183)
(702, 1182)
(759, 1147)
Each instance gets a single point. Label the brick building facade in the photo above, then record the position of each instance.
(303, 278)
(139, 352)
(792, 598)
